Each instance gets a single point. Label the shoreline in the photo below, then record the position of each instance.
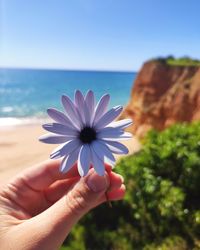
(13, 122)
(20, 149)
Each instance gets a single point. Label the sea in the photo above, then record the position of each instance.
(25, 94)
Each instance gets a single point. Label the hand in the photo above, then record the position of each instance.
(39, 207)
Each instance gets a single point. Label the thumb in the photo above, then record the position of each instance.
(60, 217)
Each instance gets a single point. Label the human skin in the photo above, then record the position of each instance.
(39, 207)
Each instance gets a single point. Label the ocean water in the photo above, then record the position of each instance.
(25, 94)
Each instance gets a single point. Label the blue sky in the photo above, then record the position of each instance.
(96, 34)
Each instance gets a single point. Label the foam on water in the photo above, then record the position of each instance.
(8, 122)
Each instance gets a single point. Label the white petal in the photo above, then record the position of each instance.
(65, 149)
(84, 160)
(108, 117)
(109, 131)
(79, 102)
(90, 102)
(116, 147)
(124, 136)
(103, 152)
(71, 111)
(87, 115)
(121, 124)
(68, 161)
(60, 129)
(97, 163)
(112, 134)
(101, 107)
(54, 139)
(59, 117)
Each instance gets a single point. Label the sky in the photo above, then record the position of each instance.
(96, 34)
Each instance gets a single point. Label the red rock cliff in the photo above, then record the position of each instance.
(163, 95)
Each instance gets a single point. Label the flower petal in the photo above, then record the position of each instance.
(84, 160)
(54, 139)
(90, 102)
(121, 124)
(109, 131)
(117, 147)
(103, 152)
(79, 102)
(68, 162)
(87, 114)
(60, 129)
(113, 134)
(66, 149)
(71, 111)
(101, 107)
(108, 117)
(124, 136)
(59, 117)
(97, 163)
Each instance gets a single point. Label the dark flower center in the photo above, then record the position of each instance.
(87, 135)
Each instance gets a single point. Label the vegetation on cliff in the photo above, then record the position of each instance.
(162, 205)
(182, 61)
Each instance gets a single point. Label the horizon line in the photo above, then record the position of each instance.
(69, 69)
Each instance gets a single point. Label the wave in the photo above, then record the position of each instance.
(7, 122)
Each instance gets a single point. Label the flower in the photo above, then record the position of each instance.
(87, 133)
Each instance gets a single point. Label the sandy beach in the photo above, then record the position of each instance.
(20, 148)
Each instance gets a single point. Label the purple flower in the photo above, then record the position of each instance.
(86, 132)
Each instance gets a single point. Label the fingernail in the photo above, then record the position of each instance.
(122, 178)
(97, 183)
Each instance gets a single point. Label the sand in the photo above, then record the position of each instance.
(20, 148)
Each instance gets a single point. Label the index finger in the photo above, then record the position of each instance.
(44, 174)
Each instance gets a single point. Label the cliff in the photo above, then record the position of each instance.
(162, 95)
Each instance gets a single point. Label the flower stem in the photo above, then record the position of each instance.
(108, 201)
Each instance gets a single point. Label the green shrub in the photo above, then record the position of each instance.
(182, 61)
(161, 209)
